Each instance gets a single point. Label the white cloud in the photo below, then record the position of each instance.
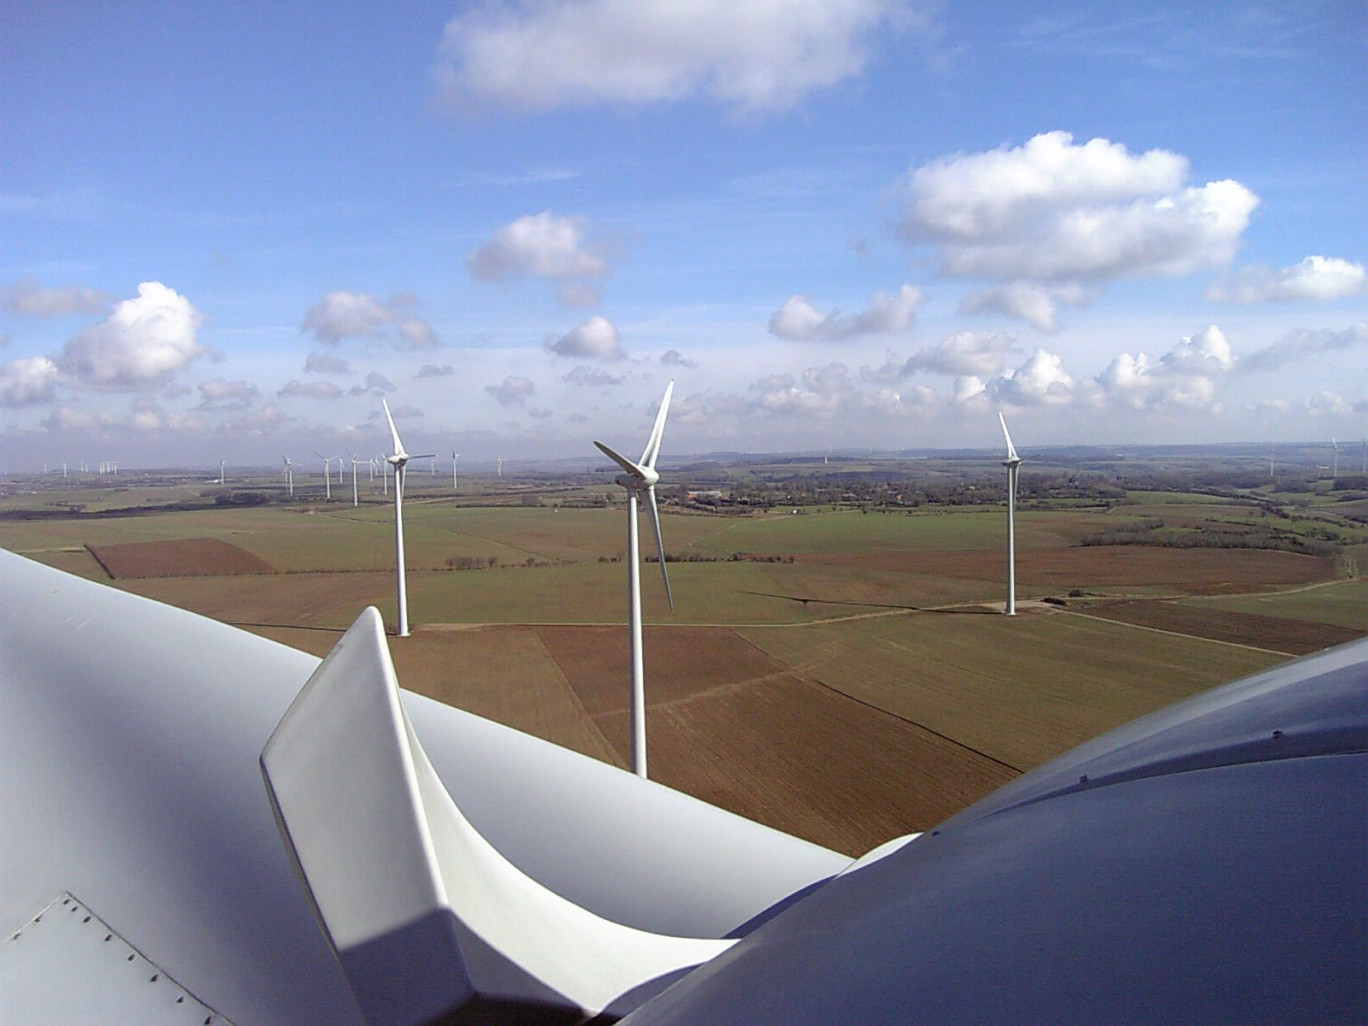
(539, 246)
(221, 393)
(513, 391)
(821, 392)
(433, 370)
(799, 321)
(596, 338)
(1053, 211)
(375, 383)
(591, 377)
(322, 363)
(1328, 401)
(1315, 278)
(143, 340)
(1041, 380)
(343, 315)
(310, 390)
(26, 296)
(1035, 303)
(751, 54)
(1302, 345)
(969, 387)
(674, 358)
(1184, 378)
(27, 381)
(964, 353)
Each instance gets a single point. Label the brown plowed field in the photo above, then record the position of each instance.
(1195, 571)
(183, 557)
(1295, 637)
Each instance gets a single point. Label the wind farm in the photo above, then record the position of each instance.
(831, 665)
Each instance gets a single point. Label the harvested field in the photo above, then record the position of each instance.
(1294, 637)
(185, 557)
(1192, 571)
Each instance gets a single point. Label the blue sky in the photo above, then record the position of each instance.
(227, 230)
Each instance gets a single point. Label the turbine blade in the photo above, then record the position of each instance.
(654, 514)
(648, 458)
(394, 431)
(621, 461)
(1011, 450)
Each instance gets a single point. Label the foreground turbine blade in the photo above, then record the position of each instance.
(660, 541)
(620, 460)
(394, 431)
(1011, 450)
(426, 918)
(648, 458)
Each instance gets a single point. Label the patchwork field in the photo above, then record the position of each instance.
(839, 675)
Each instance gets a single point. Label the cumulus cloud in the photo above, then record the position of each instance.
(322, 363)
(1033, 302)
(310, 390)
(674, 358)
(963, 354)
(1052, 211)
(27, 297)
(1301, 345)
(143, 340)
(222, 394)
(820, 392)
(1315, 278)
(591, 377)
(1185, 377)
(343, 315)
(375, 383)
(512, 391)
(539, 246)
(28, 381)
(597, 338)
(754, 55)
(799, 321)
(433, 370)
(1040, 381)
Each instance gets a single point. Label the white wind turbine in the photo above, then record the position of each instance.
(498, 464)
(289, 472)
(222, 464)
(1334, 468)
(356, 498)
(455, 483)
(327, 472)
(399, 458)
(1012, 463)
(641, 477)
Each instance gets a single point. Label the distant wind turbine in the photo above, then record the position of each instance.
(1012, 463)
(399, 458)
(327, 472)
(641, 477)
(498, 464)
(455, 483)
(289, 472)
(1334, 469)
(222, 464)
(356, 499)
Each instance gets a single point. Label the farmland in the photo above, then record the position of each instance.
(836, 664)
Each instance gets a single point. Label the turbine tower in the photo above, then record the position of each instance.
(356, 499)
(641, 477)
(1012, 463)
(222, 464)
(1334, 466)
(399, 458)
(455, 483)
(289, 473)
(327, 472)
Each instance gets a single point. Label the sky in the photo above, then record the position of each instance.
(227, 230)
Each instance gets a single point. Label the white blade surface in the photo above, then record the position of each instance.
(648, 457)
(394, 432)
(621, 461)
(660, 541)
(1011, 450)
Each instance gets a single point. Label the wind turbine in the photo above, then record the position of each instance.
(327, 472)
(400, 459)
(222, 464)
(289, 472)
(498, 464)
(641, 477)
(1012, 463)
(454, 457)
(1334, 468)
(356, 500)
